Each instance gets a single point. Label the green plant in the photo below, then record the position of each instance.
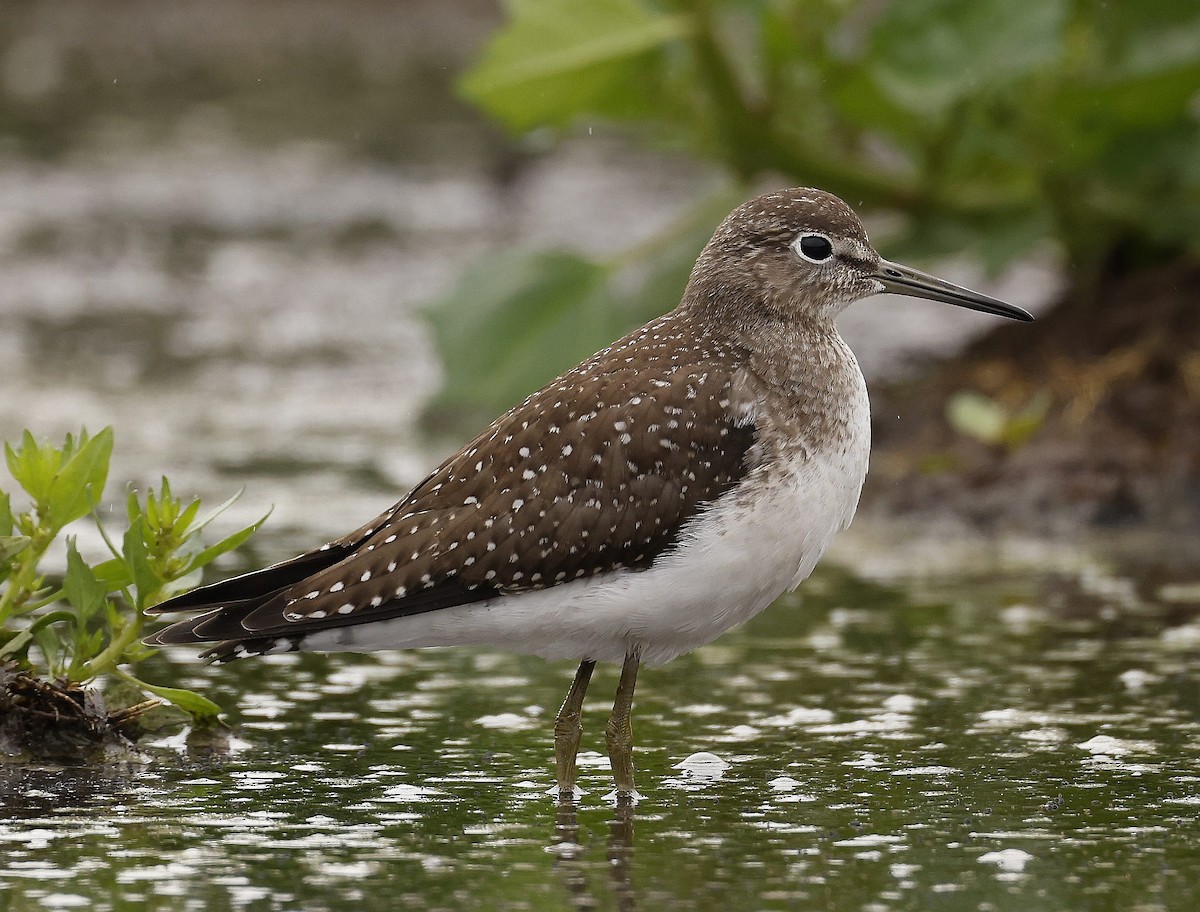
(515, 320)
(986, 420)
(995, 126)
(88, 623)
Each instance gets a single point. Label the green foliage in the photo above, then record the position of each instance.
(517, 320)
(994, 126)
(89, 622)
(976, 415)
(573, 54)
(930, 55)
(60, 480)
(524, 306)
(967, 112)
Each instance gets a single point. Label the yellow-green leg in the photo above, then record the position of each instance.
(568, 729)
(619, 733)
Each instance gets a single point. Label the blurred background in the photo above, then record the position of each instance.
(307, 248)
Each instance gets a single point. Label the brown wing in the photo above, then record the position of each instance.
(596, 472)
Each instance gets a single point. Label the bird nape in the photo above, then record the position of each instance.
(660, 493)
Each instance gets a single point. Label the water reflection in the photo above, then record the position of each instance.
(572, 865)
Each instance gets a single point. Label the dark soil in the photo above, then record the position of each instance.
(48, 720)
(1119, 445)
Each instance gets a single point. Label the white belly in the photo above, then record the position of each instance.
(756, 542)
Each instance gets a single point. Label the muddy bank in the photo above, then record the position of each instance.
(71, 723)
(48, 720)
(1119, 443)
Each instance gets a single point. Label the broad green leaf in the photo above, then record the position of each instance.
(554, 60)
(1113, 105)
(1145, 37)
(50, 644)
(514, 322)
(998, 241)
(114, 574)
(80, 482)
(81, 587)
(929, 54)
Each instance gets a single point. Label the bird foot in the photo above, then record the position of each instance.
(619, 798)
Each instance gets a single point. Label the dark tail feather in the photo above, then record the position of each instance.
(257, 585)
(220, 622)
(224, 625)
(178, 633)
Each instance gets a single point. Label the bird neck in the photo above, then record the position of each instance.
(809, 379)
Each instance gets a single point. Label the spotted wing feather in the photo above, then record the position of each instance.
(599, 471)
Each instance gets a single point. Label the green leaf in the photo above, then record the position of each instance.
(209, 554)
(929, 54)
(199, 708)
(6, 514)
(18, 644)
(33, 466)
(81, 587)
(114, 574)
(554, 60)
(12, 545)
(1146, 37)
(1022, 426)
(80, 482)
(50, 645)
(153, 521)
(975, 415)
(183, 522)
(514, 322)
(145, 580)
(215, 512)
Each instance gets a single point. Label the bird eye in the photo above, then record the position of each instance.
(816, 248)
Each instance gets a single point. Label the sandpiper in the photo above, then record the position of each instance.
(662, 492)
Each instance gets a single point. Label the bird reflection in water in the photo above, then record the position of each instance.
(571, 862)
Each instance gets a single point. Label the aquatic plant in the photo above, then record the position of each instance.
(63, 629)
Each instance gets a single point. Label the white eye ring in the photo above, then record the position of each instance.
(820, 248)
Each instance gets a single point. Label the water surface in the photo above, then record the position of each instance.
(1003, 738)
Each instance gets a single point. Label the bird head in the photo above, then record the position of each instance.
(802, 254)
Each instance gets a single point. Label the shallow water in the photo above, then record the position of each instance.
(1003, 738)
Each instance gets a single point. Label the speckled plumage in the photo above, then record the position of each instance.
(664, 490)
